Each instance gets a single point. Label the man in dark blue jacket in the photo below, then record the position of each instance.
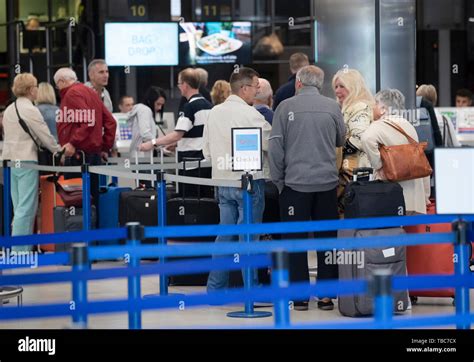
(297, 61)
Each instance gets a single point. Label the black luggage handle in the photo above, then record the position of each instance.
(362, 171)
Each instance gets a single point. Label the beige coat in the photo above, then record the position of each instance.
(416, 192)
(357, 118)
(17, 144)
(217, 143)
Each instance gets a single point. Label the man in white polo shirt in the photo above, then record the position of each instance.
(235, 112)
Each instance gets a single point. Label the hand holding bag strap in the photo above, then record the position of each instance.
(399, 129)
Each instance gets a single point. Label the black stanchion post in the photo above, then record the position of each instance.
(135, 235)
(461, 270)
(7, 209)
(161, 188)
(80, 263)
(86, 197)
(280, 279)
(381, 286)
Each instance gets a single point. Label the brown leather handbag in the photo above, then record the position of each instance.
(404, 162)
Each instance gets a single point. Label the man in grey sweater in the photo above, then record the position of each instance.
(307, 128)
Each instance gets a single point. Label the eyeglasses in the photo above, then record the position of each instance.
(251, 85)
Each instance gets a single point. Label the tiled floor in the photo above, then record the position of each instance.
(200, 317)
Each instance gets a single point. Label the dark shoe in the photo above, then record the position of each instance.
(326, 305)
(301, 306)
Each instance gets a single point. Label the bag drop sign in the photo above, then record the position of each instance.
(246, 149)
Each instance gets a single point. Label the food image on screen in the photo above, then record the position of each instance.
(212, 43)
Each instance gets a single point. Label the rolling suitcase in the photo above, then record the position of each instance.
(362, 263)
(67, 219)
(109, 210)
(49, 199)
(372, 198)
(191, 211)
(140, 205)
(430, 259)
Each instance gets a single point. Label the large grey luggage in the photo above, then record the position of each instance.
(362, 263)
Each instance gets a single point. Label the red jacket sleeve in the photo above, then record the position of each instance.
(82, 130)
(110, 128)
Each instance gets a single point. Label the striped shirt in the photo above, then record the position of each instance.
(191, 122)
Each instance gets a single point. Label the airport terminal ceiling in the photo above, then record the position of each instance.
(393, 43)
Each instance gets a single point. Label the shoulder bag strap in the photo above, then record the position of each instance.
(25, 127)
(399, 129)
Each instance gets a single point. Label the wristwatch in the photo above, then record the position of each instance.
(153, 142)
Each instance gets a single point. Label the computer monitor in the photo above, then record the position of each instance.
(454, 180)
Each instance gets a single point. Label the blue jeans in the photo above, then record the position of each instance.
(231, 206)
(24, 193)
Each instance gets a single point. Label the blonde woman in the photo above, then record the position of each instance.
(46, 103)
(357, 103)
(18, 145)
(220, 92)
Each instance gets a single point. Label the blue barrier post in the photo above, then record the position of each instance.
(247, 181)
(280, 279)
(80, 262)
(86, 197)
(135, 234)
(461, 270)
(383, 301)
(161, 188)
(7, 211)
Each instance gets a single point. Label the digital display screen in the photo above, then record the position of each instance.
(454, 180)
(141, 44)
(215, 43)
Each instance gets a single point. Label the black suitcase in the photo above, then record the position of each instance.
(193, 210)
(67, 219)
(139, 206)
(373, 198)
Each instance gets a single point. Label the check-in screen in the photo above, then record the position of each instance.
(454, 180)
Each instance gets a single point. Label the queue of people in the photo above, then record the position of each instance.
(311, 143)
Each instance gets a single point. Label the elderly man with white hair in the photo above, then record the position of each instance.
(84, 124)
(264, 100)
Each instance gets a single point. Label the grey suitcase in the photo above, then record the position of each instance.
(68, 219)
(362, 263)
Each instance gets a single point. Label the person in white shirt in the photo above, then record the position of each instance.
(235, 112)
